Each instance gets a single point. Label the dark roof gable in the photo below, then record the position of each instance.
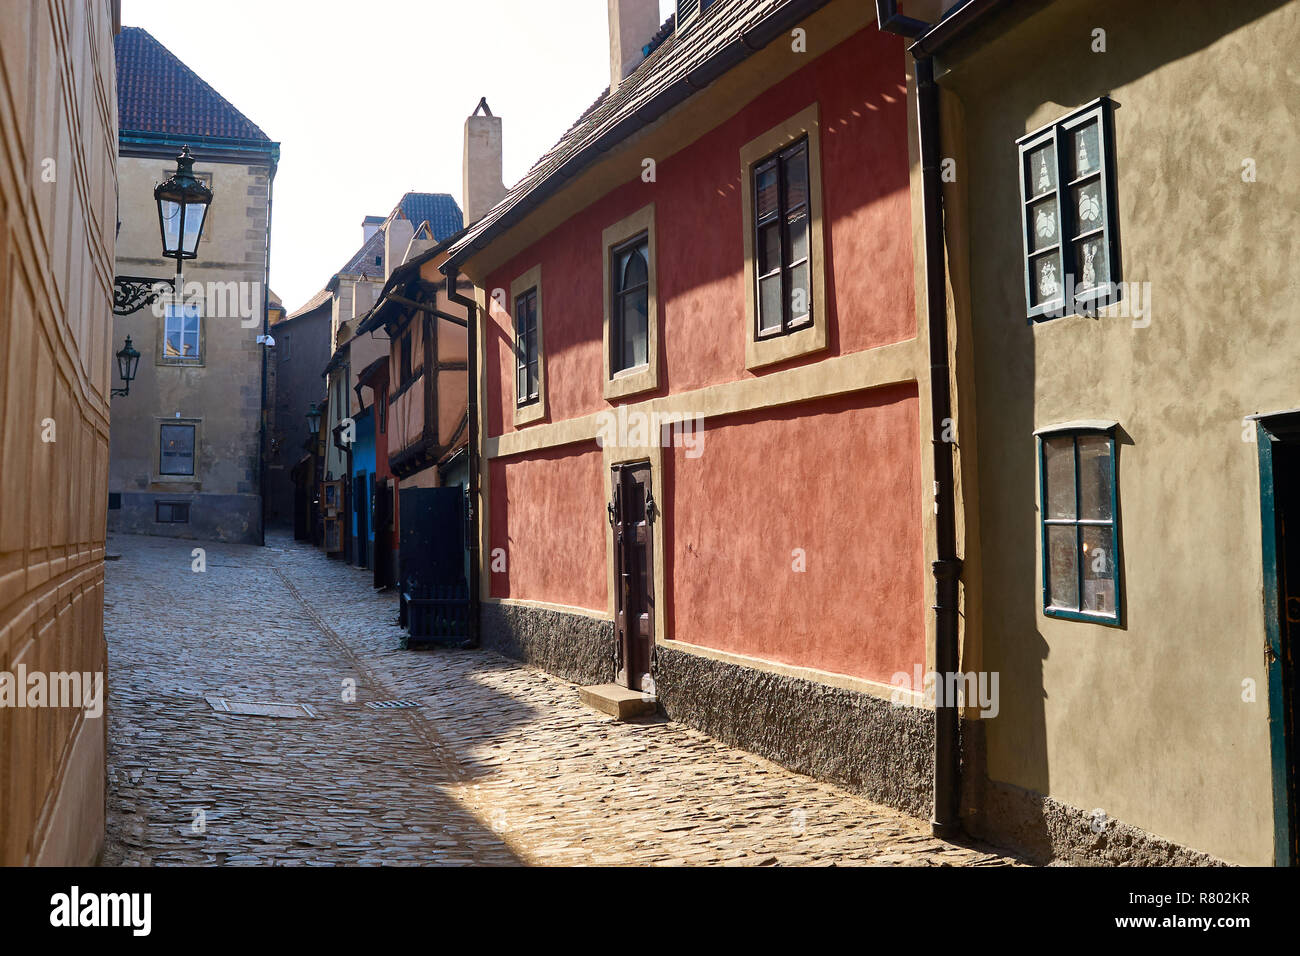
(439, 210)
(679, 63)
(157, 93)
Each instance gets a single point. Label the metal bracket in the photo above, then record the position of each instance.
(133, 293)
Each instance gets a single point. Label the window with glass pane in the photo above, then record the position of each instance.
(526, 348)
(181, 339)
(176, 452)
(1067, 188)
(1080, 539)
(630, 282)
(781, 227)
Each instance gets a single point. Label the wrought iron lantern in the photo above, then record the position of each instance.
(313, 420)
(128, 360)
(183, 202)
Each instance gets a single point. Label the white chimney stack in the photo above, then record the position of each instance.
(396, 238)
(369, 226)
(482, 185)
(632, 24)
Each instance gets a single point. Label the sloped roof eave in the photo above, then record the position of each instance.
(746, 33)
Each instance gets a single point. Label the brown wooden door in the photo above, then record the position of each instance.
(632, 514)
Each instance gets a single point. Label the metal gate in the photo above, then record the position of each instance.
(434, 592)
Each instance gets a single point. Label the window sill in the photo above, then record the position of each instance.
(181, 363)
(781, 348)
(1065, 614)
(632, 381)
(532, 412)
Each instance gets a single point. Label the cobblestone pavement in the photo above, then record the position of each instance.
(499, 763)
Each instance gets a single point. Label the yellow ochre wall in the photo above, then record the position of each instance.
(58, 193)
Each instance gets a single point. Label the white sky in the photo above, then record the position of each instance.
(368, 98)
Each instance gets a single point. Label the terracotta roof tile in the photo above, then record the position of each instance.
(157, 93)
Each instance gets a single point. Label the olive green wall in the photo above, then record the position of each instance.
(1146, 722)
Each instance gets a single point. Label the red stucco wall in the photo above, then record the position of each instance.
(840, 479)
(548, 513)
(860, 88)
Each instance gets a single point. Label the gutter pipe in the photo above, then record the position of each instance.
(472, 450)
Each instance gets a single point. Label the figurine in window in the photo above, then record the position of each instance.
(1044, 181)
(1089, 270)
(1047, 284)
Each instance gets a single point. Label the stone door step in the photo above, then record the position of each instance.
(618, 701)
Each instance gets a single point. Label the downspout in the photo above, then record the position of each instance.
(945, 822)
(266, 330)
(472, 451)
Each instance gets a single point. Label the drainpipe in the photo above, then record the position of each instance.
(266, 330)
(946, 567)
(471, 409)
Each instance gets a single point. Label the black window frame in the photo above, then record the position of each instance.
(782, 217)
(1115, 617)
(619, 295)
(194, 449)
(527, 357)
(1069, 234)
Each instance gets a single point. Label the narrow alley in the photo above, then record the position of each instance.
(497, 764)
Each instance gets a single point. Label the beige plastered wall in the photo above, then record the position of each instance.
(1147, 721)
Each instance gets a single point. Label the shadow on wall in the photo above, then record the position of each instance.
(1003, 88)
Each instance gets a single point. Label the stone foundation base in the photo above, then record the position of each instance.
(857, 741)
(571, 646)
(1044, 830)
(213, 517)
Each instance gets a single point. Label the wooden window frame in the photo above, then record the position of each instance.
(812, 337)
(780, 218)
(1069, 234)
(1075, 432)
(526, 361)
(640, 378)
(533, 409)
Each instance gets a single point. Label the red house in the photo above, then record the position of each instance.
(705, 399)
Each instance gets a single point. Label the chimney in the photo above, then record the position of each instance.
(632, 24)
(396, 238)
(369, 226)
(482, 183)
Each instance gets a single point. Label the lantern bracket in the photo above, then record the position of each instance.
(133, 293)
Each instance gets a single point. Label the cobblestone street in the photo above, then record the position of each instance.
(499, 763)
